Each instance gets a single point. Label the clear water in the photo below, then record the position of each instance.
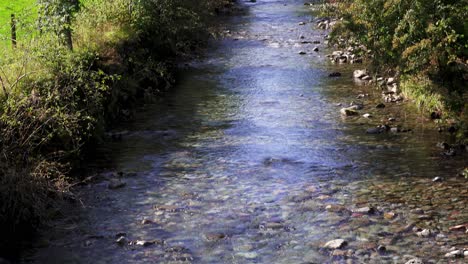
(240, 161)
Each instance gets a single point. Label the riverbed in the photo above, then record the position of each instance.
(248, 160)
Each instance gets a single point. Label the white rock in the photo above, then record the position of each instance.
(359, 73)
(391, 81)
(367, 115)
(454, 254)
(335, 244)
(424, 233)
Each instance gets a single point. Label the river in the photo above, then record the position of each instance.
(248, 160)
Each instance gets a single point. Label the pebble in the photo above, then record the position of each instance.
(302, 52)
(121, 240)
(348, 112)
(381, 105)
(454, 254)
(335, 244)
(437, 179)
(415, 261)
(364, 210)
(316, 49)
(116, 184)
(367, 115)
(424, 233)
(389, 215)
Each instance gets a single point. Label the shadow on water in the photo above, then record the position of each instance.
(248, 160)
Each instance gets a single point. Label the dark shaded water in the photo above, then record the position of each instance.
(240, 162)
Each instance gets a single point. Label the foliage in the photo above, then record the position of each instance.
(55, 100)
(427, 39)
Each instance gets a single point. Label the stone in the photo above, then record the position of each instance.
(364, 210)
(424, 233)
(335, 244)
(316, 49)
(366, 78)
(348, 112)
(116, 184)
(465, 254)
(121, 240)
(437, 179)
(415, 261)
(144, 243)
(374, 130)
(391, 119)
(391, 81)
(302, 23)
(381, 248)
(454, 254)
(146, 222)
(359, 73)
(302, 52)
(394, 130)
(334, 74)
(389, 215)
(381, 105)
(367, 115)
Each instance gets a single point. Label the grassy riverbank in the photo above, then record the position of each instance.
(422, 43)
(55, 100)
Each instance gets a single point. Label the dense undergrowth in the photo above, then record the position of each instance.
(424, 43)
(83, 66)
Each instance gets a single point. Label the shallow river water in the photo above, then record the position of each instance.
(248, 160)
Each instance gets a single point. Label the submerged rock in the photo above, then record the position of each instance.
(335, 244)
(116, 184)
(122, 240)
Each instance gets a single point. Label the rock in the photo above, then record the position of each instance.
(389, 215)
(356, 106)
(394, 130)
(454, 254)
(302, 23)
(366, 78)
(364, 210)
(215, 236)
(116, 184)
(381, 248)
(415, 261)
(302, 37)
(391, 81)
(302, 52)
(424, 233)
(316, 49)
(144, 243)
(465, 254)
(146, 222)
(334, 74)
(391, 119)
(121, 240)
(359, 73)
(436, 115)
(381, 105)
(459, 227)
(437, 179)
(374, 130)
(348, 112)
(342, 59)
(335, 244)
(367, 115)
